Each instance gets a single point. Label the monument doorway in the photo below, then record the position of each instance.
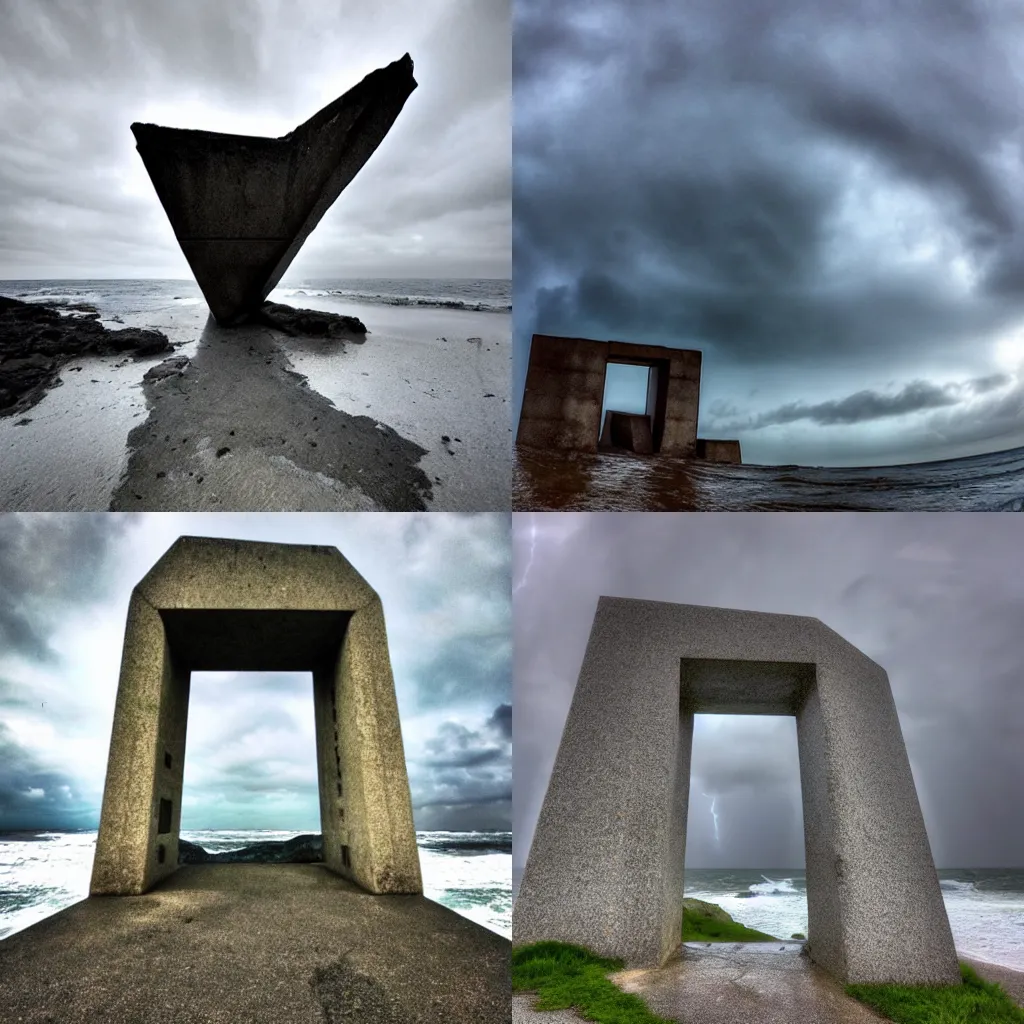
(633, 407)
(745, 841)
(250, 759)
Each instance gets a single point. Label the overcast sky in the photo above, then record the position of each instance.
(826, 199)
(934, 598)
(65, 581)
(75, 199)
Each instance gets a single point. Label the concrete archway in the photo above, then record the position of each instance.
(606, 866)
(223, 605)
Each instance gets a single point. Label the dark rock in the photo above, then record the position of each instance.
(305, 849)
(168, 368)
(36, 342)
(310, 322)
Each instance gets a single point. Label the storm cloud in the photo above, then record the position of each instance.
(75, 201)
(826, 210)
(444, 581)
(935, 598)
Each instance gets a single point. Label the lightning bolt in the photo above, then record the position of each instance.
(529, 560)
(714, 815)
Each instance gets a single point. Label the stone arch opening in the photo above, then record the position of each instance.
(224, 605)
(606, 866)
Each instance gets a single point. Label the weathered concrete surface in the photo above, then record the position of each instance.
(719, 451)
(565, 393)
(241, 206)
(606, 866)
(221, 605)
(255, 944)
(524, 1013)
(736, 983)
(628, 431)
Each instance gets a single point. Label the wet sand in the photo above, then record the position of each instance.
(348, 438)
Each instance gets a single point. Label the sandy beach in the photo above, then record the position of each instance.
(414, 417)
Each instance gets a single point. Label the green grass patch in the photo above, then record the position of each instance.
(698, 927)
(570, 977)
(975, 1002)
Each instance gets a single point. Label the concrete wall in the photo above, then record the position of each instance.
(606, 866)
(719, 451)
(233, 605)
(565, 392)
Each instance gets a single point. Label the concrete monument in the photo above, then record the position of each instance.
(606, 866)
(564, 396)
(241, 206)
(226, 605)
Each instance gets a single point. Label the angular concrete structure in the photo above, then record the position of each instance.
(606, 866)
(565, 390)
(225, 605)
(241, 206)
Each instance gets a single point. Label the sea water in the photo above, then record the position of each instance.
(120, 297)
(44, 872)
(587, 481)
(985, 906)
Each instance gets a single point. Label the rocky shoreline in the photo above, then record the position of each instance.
(306, 849)
(37, 342)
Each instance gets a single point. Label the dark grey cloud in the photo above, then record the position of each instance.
(867, 405)
(466, 774)
(933, 598)
(466, 665)
(820, 207)
(434, 200)
(48, 564)
(35, 796)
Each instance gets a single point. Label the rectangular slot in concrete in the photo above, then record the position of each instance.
(164, 825)
(346, 860)
(167, 759)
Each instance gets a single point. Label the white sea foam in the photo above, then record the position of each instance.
(42, 875)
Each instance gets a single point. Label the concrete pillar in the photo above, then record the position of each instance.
(605, 869)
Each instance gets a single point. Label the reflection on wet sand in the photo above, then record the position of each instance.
(588, 481)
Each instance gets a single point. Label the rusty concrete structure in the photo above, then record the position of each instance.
(718, 451)
(564, 397)
(227, 605)
(606, 866)
(241, 206)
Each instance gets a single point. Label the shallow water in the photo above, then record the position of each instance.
(583, 481)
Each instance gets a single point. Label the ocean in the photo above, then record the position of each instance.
(121, 297)
(985, 905)
(582, 481)
(44, 872)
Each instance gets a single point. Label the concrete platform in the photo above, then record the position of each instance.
(255, 943)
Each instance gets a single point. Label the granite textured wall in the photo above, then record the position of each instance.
(565, 392)
(606, 866)
(223, 605)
